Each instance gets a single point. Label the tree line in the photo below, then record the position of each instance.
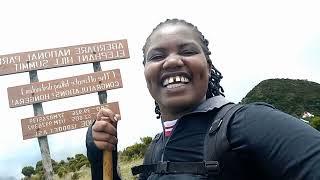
(61, 168)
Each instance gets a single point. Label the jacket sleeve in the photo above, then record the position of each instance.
(283, 146)
(94, 155)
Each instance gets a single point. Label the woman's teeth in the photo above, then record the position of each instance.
(176, 79)
(170, 86)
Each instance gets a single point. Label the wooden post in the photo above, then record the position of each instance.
(43, 141)
(107, 155)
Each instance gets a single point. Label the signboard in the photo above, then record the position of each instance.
(62, 121)
(62, 88)
(37, 92)
(65, 56)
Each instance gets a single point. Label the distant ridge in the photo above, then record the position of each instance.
(293, 96)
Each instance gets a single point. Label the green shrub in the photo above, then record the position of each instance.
(75, 176)
(315, 122)
(136, 151)
(62, 171)
(28, 171)
(39, 167)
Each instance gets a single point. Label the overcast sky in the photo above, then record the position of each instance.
(250, 41)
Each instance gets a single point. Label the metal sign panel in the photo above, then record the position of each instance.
(62, 121)
(62, 88)
(65, 56)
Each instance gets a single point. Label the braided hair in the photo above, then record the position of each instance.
(214, 87)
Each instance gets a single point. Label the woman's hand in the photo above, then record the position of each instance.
(104, 130)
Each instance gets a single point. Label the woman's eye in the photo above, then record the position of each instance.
(188, 52)
(155, 57)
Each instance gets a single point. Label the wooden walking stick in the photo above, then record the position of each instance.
(107, 165)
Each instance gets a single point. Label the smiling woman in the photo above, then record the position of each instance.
(190, 45)
(202, 137)
(177, 55)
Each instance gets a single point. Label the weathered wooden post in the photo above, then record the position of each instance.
(43, 140)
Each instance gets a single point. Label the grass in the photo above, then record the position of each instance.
(125, 168)
(85, 172)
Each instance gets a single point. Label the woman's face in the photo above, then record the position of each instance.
(176, 70)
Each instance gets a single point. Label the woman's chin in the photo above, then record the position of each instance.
(179, 105)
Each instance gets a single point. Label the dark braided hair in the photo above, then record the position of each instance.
(214, 87)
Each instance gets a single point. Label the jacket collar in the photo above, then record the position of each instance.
(210, 104)
(214, 102)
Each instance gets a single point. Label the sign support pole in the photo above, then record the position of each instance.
(108, 169)
(43, 141)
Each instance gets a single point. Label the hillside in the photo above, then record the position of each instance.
(288, 95)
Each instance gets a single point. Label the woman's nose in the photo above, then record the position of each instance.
(173, 61)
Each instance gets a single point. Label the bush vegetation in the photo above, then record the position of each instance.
(28, 171)
(135, 151)
(72, 165)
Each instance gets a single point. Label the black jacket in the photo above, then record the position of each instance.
(265, 144)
